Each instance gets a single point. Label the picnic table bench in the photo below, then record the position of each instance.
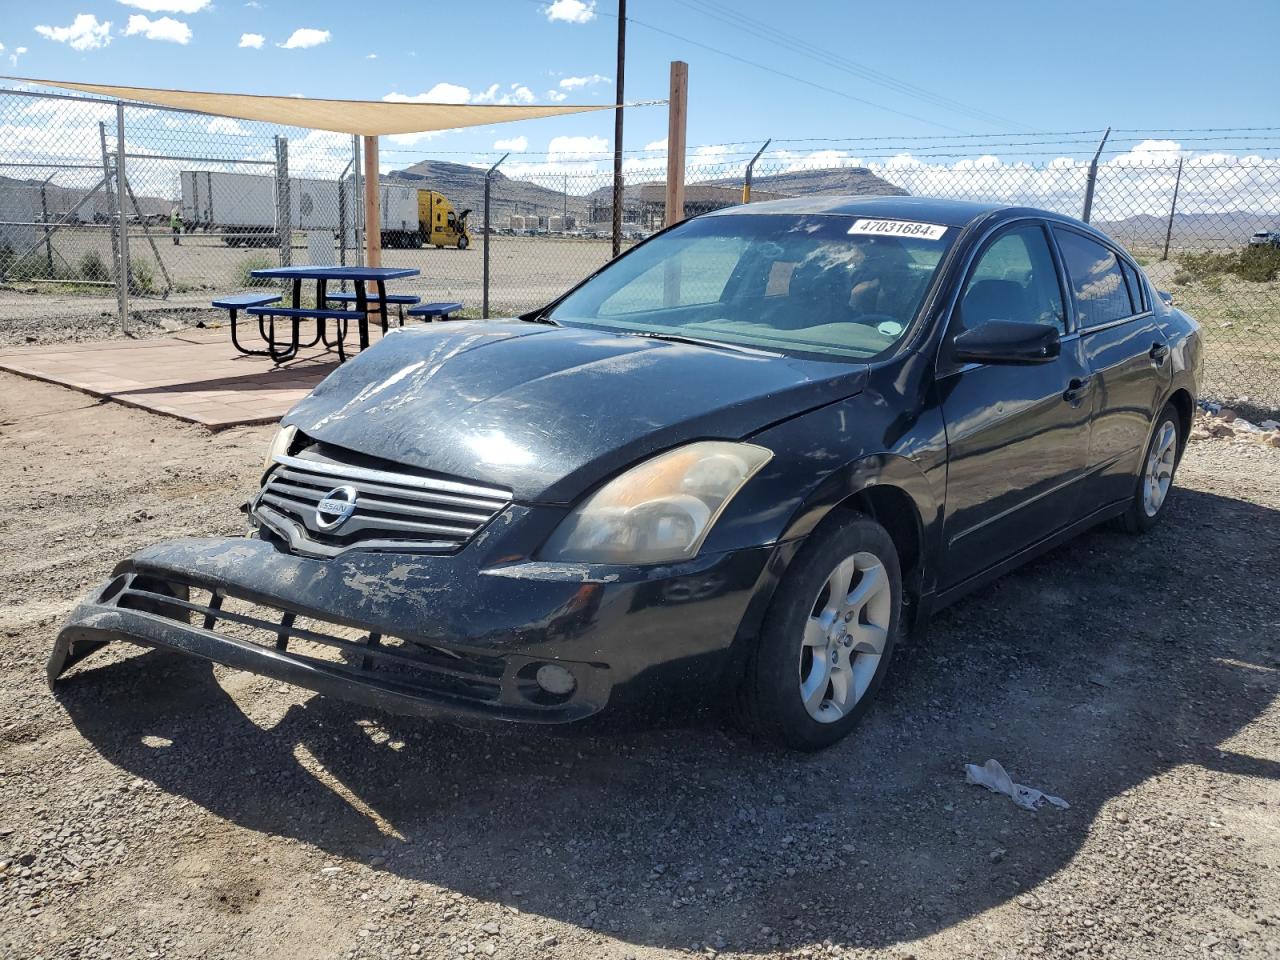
(265, 306)
(436, 311)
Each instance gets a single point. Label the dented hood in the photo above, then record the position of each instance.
(550, 411)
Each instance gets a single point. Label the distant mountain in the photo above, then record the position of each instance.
(838, 181)
(1229, 228)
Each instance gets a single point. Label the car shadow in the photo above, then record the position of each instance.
(1102, 665)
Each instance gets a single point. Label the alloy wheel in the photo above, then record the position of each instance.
(845, 636)
(1158, 476)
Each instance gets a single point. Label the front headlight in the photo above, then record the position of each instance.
(659, 511)
(280, 446)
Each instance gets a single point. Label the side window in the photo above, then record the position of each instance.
(1097, 280)
(1014, 279)
(1137, 290)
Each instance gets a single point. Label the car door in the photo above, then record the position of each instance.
(1127, 357)
(1017, 436)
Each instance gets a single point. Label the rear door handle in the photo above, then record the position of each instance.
(1158, 353)
(1077, 387)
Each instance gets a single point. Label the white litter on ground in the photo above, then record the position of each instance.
(993, 776)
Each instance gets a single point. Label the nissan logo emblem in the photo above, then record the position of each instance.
(335, 508)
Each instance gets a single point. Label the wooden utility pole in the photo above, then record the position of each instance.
(677, 118)
(617, 127)
(372, 218)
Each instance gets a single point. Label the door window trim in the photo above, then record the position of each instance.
(1127, 264)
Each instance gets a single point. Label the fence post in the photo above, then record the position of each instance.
(284, 205)
(746, 182)
(122, 288)
(1093, 176)
(357, 207)
(1168, 233)
(488, 229)
(113, 216)
(44, 219)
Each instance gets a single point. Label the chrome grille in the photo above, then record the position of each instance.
(393, 510)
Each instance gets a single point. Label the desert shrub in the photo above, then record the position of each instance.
(91, 267)
(144, 276)
(1259, 264)
(244, 272)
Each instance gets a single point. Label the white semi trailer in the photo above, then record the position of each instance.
(242, 206)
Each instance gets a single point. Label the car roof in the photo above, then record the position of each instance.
(951, 213)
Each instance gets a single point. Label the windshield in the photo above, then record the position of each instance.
(832, 286)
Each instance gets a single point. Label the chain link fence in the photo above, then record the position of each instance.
(101, 233)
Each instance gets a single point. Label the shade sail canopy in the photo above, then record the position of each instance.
(368, 118)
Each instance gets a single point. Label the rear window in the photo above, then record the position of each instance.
(1097, 280)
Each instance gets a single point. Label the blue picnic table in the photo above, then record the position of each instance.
(266, 306)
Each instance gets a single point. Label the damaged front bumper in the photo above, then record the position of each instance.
(428, 635)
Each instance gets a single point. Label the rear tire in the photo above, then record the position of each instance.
(827, 638)
(1155, 473)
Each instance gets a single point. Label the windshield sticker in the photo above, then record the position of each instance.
(899, 228)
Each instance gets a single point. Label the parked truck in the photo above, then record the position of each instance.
(242, 208)
(415, 217)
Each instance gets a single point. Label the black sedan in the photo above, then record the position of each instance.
(737, 464)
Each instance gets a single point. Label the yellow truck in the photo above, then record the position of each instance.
(438, 223)
(413, 217)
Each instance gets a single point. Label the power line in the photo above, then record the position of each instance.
(791, 76)
(771, 34)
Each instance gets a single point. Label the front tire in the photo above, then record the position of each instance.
(827, 638)
(1155, 478)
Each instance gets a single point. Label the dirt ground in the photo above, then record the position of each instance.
(160, 808)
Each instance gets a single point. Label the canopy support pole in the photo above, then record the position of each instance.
(372, 219)
(677, 119)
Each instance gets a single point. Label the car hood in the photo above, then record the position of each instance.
(549, 411)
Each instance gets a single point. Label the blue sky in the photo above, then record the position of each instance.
(943, 67)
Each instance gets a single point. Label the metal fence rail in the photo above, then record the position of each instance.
(135, 211)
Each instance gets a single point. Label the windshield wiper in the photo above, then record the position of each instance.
(697, 342)
(541, 318)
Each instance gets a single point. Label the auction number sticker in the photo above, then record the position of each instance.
(899, 228)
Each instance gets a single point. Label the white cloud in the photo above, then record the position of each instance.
(576, 148)
(13, 57)
(371, 56)
(442, 92)
(659, 146)
(161, 28)
(516, 144)
(85, 32)
(305, 37)
(168, 6)
(573, 83)
(571, 11)
(227, 125)
(252, 41)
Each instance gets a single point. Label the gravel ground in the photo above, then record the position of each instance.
(158, 807)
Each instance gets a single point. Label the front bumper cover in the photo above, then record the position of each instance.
(424, 635)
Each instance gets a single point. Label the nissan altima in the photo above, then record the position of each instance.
(737, 465)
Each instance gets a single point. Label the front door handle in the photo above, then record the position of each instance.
(1077, 387)
(1158, 353)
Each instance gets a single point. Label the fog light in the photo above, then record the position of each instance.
(555, 679)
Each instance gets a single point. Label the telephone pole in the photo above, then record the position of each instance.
(617, 128)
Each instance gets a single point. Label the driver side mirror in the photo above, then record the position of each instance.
(1007, 342)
